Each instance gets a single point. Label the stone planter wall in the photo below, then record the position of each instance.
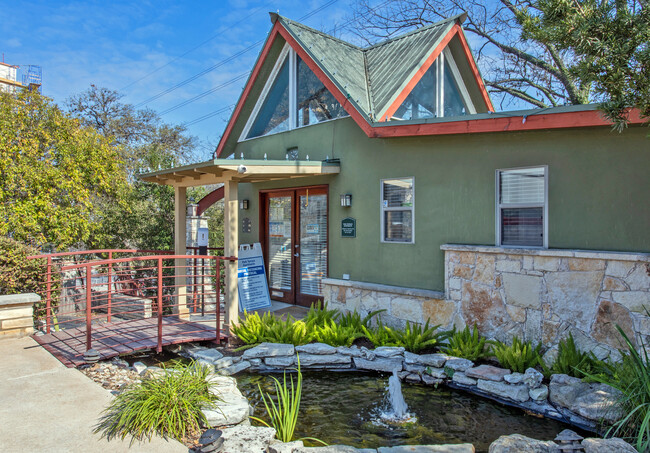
(543, 295)
(16, 314)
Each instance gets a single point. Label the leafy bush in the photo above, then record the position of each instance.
(320, 315)
(518, 356)
(466, 344)
(570, 360)
(632, 378)
(415, 337)
(335, 334)
(166, 405)
(20, 275)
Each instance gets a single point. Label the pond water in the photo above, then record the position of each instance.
(347, 408)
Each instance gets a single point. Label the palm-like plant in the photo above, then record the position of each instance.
(415, 337)
(467, 344)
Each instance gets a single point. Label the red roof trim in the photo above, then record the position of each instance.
(538, 121)
(390, 111)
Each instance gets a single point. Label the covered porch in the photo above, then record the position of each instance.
(230, 173)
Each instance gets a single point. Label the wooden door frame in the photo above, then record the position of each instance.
(294, 297)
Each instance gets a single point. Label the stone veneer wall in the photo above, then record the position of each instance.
(538, 295)
(17, 314)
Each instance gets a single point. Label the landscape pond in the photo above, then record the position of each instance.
(350, 408)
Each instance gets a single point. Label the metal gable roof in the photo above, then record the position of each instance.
(371, 77)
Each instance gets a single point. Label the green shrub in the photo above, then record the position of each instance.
(415, 337)
(632, 378)
(519, 356)
(570, 360)
(320, 315)
(335, 334)
(466, 344)
(20, 275)
(167, 405)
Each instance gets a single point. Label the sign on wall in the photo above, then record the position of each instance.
(348, 228)
(251, 277)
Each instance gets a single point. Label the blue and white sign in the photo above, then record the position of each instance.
(251, 278)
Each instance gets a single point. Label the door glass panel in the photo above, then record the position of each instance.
(280, 242)
(313, 243)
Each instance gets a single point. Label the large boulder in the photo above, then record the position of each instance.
(613, 445)
(246, 439)
(516, 443)
(232, 408)
(591, 401)
(446, 448)
(269, 350)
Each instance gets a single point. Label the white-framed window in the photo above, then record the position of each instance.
(292, 97)
(439, 93)
(398, 210)
(522, 207)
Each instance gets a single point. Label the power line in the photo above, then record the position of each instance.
(209, 115)
(205, 93)
(227, 60)
(192, 49)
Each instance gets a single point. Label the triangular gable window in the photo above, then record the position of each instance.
(293, 97)
(440, 92)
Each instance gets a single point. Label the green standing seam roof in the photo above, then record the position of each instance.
(371, 77)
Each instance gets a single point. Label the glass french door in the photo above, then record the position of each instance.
(296, 243)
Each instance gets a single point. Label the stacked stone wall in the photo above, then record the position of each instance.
(538, 295)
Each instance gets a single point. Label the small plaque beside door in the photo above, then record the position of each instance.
(348, 228)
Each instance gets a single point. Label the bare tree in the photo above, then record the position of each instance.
(517, 69)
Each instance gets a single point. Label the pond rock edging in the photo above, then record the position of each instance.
(566, 399)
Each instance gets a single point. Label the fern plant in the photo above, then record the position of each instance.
(519, 355)
(253, 328)
(320, 315)
(378, 335)
(353, 319)
(570, 360)
(289, 331)
(335, 334)
(467, 344)
(415, 337)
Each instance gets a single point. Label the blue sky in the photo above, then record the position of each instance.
(115, 43)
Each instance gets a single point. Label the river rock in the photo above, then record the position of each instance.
(226, 362)
(280, 362)
(352, 351)
(388, 351)
(458, 364)
(516, 443)
(430, 380)
(434, 360)
(139, 367)
(235, 368)
(514, 378)
(269, 350)
(316, 360)
(461, 378)
(316, 348)
(487, 372)
(282, 447)
(438, 373)
(246, 439)
(533, 378)
(613, 445)
(379, 364)
(415, 368)
(232, 408)
(209, 355)
(448, 448)
(591, 401)
(539, 394)
(516, 392)
(413, 378)
(334, 449)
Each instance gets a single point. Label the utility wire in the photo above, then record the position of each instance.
(227, 60)
(193, 48)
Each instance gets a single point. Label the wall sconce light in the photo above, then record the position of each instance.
(346, 200)
(243, 205)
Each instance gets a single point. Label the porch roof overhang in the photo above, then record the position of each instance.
(240, 170)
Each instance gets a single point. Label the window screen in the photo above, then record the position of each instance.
(397, 210)
(521, 204)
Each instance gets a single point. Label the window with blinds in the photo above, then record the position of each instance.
(397, 208)
(521, 206)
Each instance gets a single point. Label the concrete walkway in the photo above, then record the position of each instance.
(46, 407)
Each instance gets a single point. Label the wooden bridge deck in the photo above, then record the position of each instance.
(116, 338)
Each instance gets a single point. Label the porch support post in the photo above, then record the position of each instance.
(180, 248)
(231, 245)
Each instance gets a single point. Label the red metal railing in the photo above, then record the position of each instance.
(97, 292)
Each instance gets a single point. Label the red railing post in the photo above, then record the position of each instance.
(110, 284)
(160, 304)
(48, 295)
(89, 343)
(218, 299)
